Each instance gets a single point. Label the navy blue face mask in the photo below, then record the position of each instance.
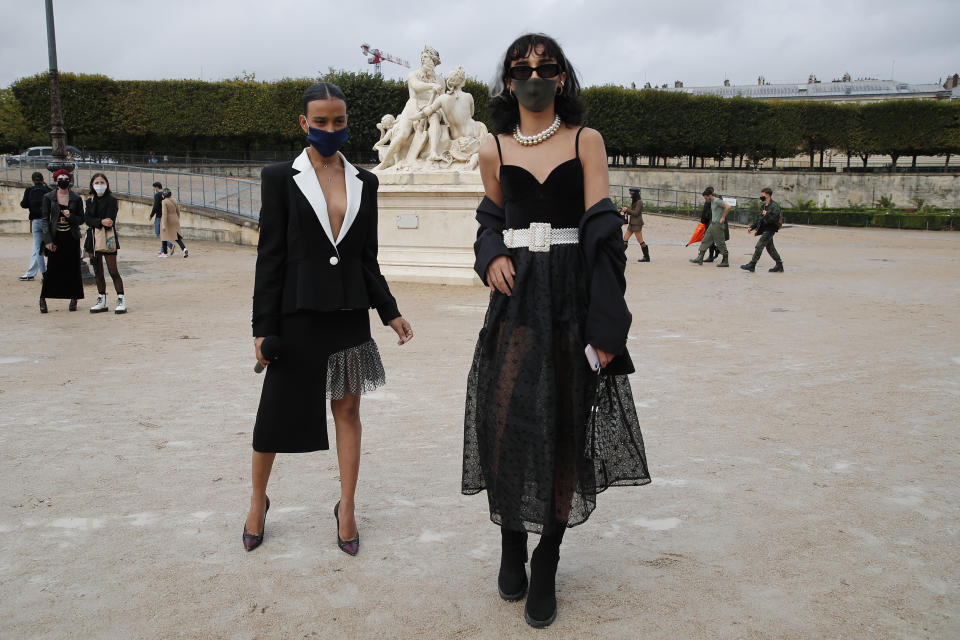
(325, 142)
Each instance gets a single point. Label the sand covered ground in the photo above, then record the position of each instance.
(797, 425)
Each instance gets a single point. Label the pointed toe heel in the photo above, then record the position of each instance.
(251, 541)
(349, 547)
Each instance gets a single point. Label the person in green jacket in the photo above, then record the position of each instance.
(714, 235)
(766, 225)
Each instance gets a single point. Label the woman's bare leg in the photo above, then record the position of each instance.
(346, 418)
(261, 466)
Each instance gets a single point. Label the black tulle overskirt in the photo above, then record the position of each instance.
(529, 398)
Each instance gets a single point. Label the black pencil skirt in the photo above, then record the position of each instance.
(322, 355)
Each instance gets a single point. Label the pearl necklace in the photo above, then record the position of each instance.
(537, 138)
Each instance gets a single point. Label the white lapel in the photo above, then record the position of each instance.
(354, 193)
(308, 184)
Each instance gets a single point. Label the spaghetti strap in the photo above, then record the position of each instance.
(499, 152)
(577, 144)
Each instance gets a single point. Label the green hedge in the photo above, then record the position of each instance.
(243, 114)
(934, 222)
(892, 220)
(179, 117)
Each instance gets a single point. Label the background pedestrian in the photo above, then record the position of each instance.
(62, 217)
(33, 200)
(101, 215)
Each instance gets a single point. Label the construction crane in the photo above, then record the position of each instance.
(377, 56)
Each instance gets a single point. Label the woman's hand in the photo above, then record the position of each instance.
(500, 275)
(107, 222)
(402, 327)
(256, 347)
(50, 247)
(604, 357)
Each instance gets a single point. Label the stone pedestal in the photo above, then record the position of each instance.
(427, 228)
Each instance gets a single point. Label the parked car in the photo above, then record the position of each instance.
(40, 156)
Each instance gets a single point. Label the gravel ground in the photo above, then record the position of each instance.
(797, 427)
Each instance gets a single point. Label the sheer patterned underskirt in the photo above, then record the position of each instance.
(529, 396)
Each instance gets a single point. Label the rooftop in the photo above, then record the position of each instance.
(824, 90)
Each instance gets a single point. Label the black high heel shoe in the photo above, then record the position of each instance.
(350, 547)
(250, 541)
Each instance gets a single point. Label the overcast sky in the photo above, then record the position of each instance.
(609, 41)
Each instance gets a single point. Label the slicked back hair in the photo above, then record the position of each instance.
(321, 91)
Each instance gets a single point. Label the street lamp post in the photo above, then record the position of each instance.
(57, 133)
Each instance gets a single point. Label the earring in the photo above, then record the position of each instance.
(559, 88)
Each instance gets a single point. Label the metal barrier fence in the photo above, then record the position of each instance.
(682, 203)
(220, 193)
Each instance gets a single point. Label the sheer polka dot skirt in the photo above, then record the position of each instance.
(355, 371)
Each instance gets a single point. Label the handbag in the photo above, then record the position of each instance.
(606, 409)
(105, 240)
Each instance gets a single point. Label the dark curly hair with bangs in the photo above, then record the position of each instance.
(503, 106)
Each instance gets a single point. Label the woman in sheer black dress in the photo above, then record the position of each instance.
(62, 217)
(549, 247)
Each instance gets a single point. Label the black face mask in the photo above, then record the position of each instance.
(63, 184)
(536, 94)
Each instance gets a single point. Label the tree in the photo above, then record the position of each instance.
(780, 131)
(14, 132)
(743, 119)
(821, 127)
(613, 111)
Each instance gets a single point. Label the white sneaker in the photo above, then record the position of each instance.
(186, 253)
(161, 254)
(101, 305)
(121, 304)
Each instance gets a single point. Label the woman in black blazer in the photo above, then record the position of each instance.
(317, 276)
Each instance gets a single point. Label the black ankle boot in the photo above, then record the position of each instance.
(750, 266)
(646, 253)
(541, 608)
(712, 255)
(777, 268)
(512, 581)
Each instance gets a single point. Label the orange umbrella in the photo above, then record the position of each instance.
(697, 234)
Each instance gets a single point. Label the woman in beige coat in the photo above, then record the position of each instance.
(170, 226)
(635, 224)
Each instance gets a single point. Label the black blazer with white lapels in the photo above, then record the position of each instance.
(300, 265)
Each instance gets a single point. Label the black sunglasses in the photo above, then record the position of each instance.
(546, 71)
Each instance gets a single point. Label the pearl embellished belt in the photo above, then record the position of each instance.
(539, 237)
